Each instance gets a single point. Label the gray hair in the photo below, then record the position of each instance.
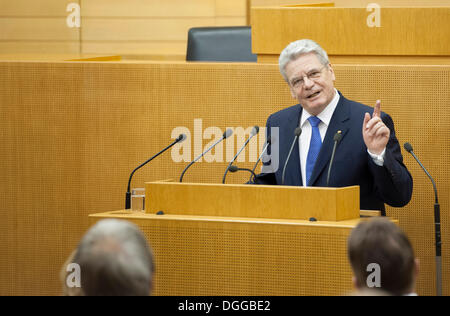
(115, 259)
(297, 48)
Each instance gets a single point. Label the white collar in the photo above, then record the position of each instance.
(326, 114)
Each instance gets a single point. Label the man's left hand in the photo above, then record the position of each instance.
(375, 132)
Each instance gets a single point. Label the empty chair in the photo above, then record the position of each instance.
(233, 43)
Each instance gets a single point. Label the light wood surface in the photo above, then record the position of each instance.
(148, 28)
(36, 27)
(128, 214)
(352, 3)
(199, 255)
(26, 8)
(73, 131)
(57, 57)
(404, 31)
(259, 201)
(370, 60)
(367, 213)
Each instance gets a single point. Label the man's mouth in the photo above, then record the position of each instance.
(313, 95)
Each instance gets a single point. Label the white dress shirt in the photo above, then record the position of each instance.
(325, 118)
(305, 137)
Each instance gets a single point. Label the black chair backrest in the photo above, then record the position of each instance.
(231, 43)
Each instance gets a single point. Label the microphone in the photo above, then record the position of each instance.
(234, 168)
(409, 149)
(268, 142)
(437, 223)
(225, 135)
(297, 133)
(255, 130)
(179, 139)
(337, 138)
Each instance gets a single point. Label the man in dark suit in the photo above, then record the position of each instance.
(368, 153)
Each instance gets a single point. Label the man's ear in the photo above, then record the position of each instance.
(332, 72)
(292, 92)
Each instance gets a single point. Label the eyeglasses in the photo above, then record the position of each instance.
(313, 75)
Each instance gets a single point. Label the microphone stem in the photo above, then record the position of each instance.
(429, 176)
(437, 230)
(331, 162)
(437, 226)
(231, 162)
(187, 167)
(202, 154)
(287, 159)
(248, 170)
(147, 161)
(128, 193)
(256, 164)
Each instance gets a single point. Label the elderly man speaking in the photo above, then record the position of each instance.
(368, 153)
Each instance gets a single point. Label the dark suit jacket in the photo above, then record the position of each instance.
(391, 183)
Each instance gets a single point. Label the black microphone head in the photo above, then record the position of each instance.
(227, 133)
(408, 147)
(338, 136)
(181, 138)
(233, 168)
(298, 131)
(255, 130)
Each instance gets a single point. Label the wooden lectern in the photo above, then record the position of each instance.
(253, 201)
(224, 239)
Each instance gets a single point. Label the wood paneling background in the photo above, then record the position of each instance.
(72, 132)
(352, 3)
(133, 27)
(403, 31)
(37, 27)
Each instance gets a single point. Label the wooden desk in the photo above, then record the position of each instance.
(203, 255)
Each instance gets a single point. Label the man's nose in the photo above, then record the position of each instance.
(307, 83)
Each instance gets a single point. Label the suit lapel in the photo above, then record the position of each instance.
(293, 174)
(339, 121)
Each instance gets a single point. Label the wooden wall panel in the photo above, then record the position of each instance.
(21, 8)
(138, 49)
(145, 28)
(154, 23)
(148, 8)
(27, 50)
(72, 132)
(230, 8)
(403, 32)
(37, 27)
(230, 21)
(353, 3)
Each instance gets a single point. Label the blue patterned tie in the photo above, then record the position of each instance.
(314, 146)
